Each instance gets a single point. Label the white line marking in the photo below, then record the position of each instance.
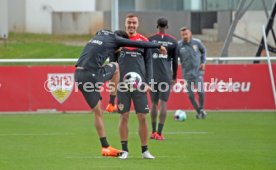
(188, 132)
(183, 133)
(102, 157)
(34, 134)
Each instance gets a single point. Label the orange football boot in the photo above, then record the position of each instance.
(109, 151)
(111, 108)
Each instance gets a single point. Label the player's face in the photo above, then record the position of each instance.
(186, 35)
(131, 25)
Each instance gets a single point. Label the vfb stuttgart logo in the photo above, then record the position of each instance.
(60, 85)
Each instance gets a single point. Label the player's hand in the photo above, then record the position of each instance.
(147, 88)
(202, 67)
(163, 50)
(118, 50)
(173, 82)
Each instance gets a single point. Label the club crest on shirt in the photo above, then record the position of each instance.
(154, 55)
(60, 85)
(120, 106)
(195, 47)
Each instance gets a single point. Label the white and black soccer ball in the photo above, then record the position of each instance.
(133, 80)
(180, 115)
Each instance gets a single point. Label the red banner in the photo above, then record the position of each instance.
(34, 88)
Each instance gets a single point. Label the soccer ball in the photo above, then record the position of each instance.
(133, 80)
(180, 115)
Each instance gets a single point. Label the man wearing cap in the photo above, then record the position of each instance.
(162, 75)
(192, 55)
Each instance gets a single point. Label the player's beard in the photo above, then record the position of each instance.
(131, 31)
(186, 39)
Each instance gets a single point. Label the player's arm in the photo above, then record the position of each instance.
(202, 50)
(175, 62)
(122, 42)
(178, 51)
(148, 65)
(113, 58)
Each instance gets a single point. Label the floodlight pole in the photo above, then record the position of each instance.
(114, 15)
(269, 66)
(267, 16)
(238, 15)
(269, 27)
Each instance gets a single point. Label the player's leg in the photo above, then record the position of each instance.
(124, 102)
(107, 150)
(191, 95)
(154, 111)
(93, 98)
(113, 83)
(98, 123)
(201, 96)
(141, 107)
(123, 129)
(162, 118)
(164, 96)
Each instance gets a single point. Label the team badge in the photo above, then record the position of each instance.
(60, 85)
(154, 55)
(121, 106)
(195, 47)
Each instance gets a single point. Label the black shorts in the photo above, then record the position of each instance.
(139, 99)
(89, 83)
(160, 93)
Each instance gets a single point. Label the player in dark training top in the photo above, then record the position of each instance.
(162, 75)
(91, 73)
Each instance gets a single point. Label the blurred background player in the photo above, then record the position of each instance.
(162, 75)
(192, 55)
(136, 60)
(90, 68)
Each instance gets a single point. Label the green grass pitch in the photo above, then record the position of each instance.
(225, 140)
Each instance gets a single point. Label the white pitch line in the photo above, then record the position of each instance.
(65, 134)
(183, 133)
(102, 157)
(34, 134)
(188, 132)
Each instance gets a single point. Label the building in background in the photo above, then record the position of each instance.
(211, 18)
(36, 16)
(4, 28)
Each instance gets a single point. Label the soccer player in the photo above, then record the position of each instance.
(192, 55)
(137, 60)
(91, 73)
(162, 75)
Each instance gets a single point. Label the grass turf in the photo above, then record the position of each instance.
(225, 140)
(26, 45)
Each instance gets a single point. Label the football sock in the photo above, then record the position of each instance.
(104, 142)
(124, 146)
(153, 125)
(112, 99)
(160, 128)
(144, 148)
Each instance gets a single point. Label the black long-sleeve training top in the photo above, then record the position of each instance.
(104, 45)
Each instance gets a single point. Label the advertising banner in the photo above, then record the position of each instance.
(38, 88)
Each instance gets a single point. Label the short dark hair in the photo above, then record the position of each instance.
(121, 33)
(184, 28)
(131, 15)
(162, 22)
